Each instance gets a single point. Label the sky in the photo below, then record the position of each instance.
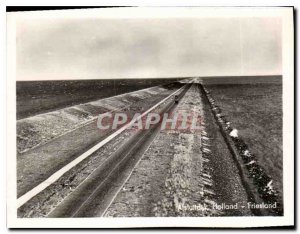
(96, 48)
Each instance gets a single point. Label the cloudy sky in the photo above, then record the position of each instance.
(91, 48)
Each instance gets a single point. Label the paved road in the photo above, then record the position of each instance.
(94, 195)
(36, 165)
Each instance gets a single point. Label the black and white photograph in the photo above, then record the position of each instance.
(170, 116)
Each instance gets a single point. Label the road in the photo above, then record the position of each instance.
(91, 181)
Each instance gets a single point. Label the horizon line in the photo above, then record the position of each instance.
(135, 78)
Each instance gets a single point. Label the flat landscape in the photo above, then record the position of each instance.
(68, 167)
(254, 108)
(37, 97)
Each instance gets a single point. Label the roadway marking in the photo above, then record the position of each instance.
(54, 177)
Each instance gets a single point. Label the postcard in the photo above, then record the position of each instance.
(150, 117)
